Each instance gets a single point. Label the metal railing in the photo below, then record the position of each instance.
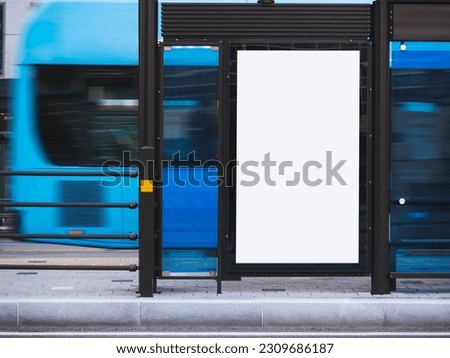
(78, 236)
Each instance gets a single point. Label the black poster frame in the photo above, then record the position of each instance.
(227, 193)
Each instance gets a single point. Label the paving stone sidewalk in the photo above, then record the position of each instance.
(108, 299)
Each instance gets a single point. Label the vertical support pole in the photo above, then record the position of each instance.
(222, 225)
(148, 75)
(3, 156)
(381, 150)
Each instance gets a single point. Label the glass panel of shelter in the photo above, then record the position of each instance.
(420, 157)
(190, 192)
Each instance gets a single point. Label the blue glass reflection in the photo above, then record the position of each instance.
(420, 157)
(190, 192)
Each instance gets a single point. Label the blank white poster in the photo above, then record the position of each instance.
(298, 154)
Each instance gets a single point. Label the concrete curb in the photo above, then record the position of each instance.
(227, 314)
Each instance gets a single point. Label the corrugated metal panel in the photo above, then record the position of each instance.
(421, 22)
(253, 21)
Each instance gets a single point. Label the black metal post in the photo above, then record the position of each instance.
(381, 150)
(148, 75)
(224, 158)
(222, 223)
(3, 155)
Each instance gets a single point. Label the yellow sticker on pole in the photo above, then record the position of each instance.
(146, 186)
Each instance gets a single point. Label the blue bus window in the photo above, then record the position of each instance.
(87, 115)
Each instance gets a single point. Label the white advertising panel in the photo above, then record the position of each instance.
(298, 157)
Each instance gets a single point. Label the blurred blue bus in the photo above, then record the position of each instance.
(75, 107)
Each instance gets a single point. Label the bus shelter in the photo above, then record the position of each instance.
(298, 139)
(332, 137)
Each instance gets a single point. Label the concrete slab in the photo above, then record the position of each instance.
(188, 313)
(320, 313)
(78, 313)
(8, 313)
(426, 314)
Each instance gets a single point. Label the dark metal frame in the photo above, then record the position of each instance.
(219, 277)
(234, 22)
(149, 97)
(224, 156)
(381, 151)
(194, 33)
(433, 19)
(383, 279)
(227, 204)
